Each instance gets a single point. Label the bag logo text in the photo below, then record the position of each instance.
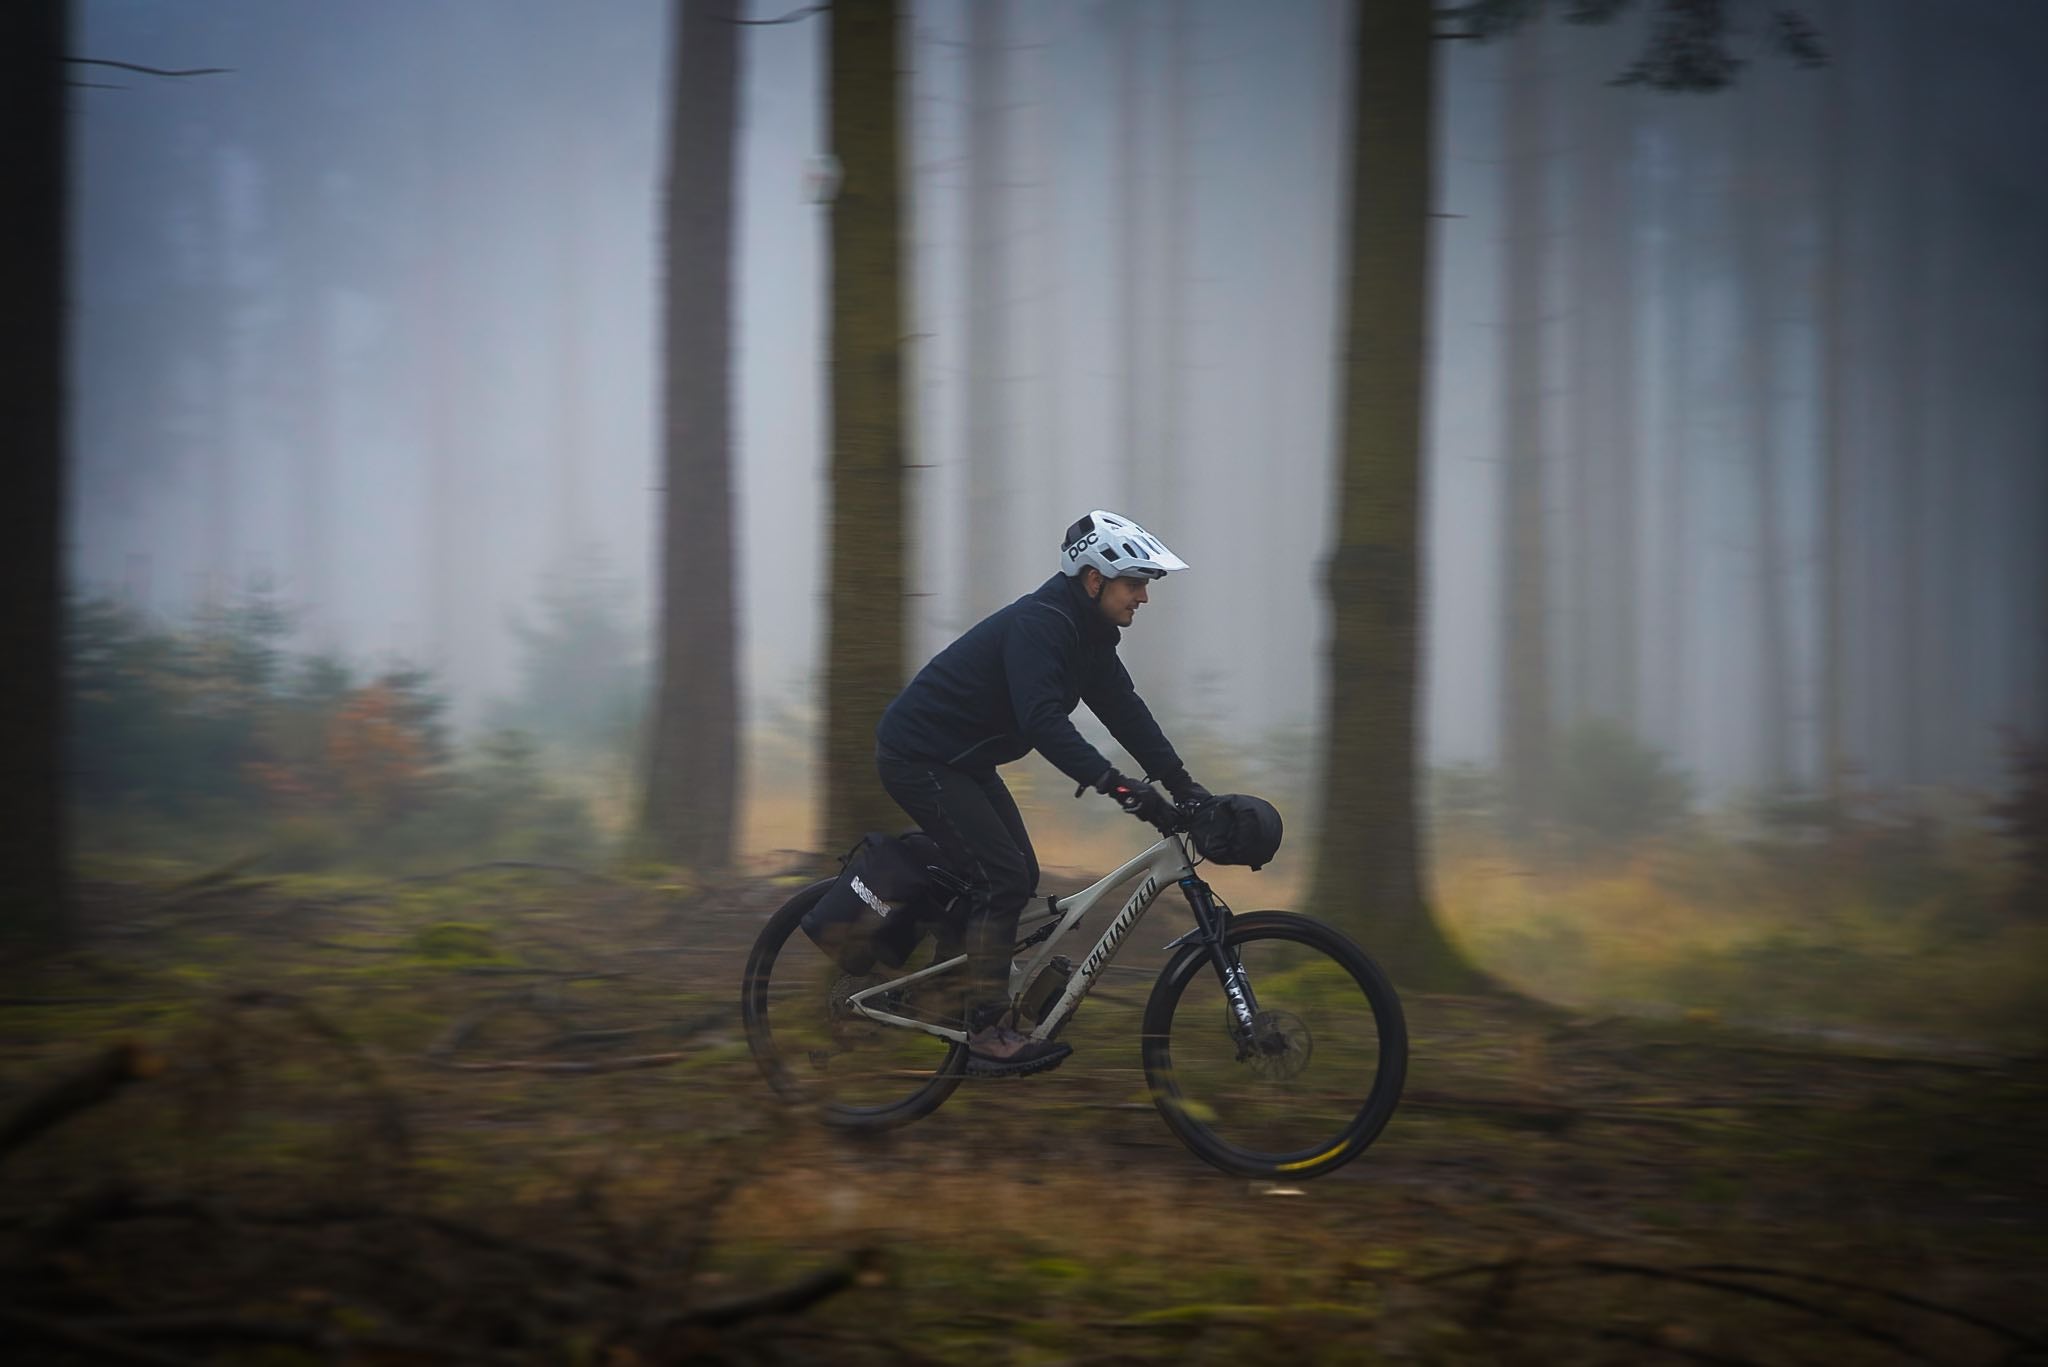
(866, 894)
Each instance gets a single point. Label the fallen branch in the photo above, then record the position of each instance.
(1989, 1326)
(607, 1065)
(798, 1295)
(76, 1091)
(442, 1050)
(1604, 1267)
(477, 1236)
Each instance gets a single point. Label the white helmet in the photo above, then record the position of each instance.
(1116, 546)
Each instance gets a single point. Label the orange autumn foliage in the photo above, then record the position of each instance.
(376, 759)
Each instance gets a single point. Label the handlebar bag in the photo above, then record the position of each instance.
(1237, 828)
(885, 899)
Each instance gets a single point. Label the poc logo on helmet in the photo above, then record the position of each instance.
(1075, 548)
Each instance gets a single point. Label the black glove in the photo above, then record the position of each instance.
(1141, 800)
(1185, 790)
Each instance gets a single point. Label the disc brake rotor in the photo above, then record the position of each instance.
(1280, 1046)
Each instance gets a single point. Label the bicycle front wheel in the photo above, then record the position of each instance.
(1321, 1071)
(815, 1050)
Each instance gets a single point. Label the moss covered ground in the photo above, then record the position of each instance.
(507, 1114)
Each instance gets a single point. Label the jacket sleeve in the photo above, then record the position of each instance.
(1114, 699)
(1036, 655)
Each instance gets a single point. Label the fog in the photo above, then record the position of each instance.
(371, 316)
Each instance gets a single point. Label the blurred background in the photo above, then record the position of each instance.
(511, 451)
(367, 461)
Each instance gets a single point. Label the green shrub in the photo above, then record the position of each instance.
(1613, 790)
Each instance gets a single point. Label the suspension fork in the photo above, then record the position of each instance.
(1212, 926)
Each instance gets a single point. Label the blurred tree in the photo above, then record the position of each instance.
(1831, 322)
(987, 405)
(1367, 871)
(1524, 673)
(34, 887)
(1759, 207)
(1602, 456)
(1135, 435)
(692, 801)
(864, 611)
(1368, 858)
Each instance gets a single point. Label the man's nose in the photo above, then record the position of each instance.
(1141, 595)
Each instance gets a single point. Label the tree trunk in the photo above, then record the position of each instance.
(314, 458)
(1909, 165)
(1525, 708)
(1834, 341)
(1758, 206)
(987, 407)
(1160, 505)
(33, 249)
(1601, 603)
(1615, 310)
(1136, 427)
(693, 770)
(1368, 872)
(1676, 264)
(864, 627)
(444, 373)
(566, 240)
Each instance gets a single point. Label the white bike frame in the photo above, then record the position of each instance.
(1165, 862)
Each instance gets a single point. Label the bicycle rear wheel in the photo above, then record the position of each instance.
(1319, 1078)
(816, 1051)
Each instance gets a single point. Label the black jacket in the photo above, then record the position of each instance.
(1006, 688)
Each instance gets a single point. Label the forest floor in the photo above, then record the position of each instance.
(508, 1115)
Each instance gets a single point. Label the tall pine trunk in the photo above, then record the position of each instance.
(1909, 277)
(693, 771)
(987, 290)
(1834, 340)
(1368, 862)
(1525, 708)
(1759, 251)
(1676, 261)
(33, 135)
(864, 625)
(1131, 368)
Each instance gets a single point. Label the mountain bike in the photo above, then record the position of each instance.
(1271, 1045)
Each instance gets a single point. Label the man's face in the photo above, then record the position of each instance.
(1121, 597)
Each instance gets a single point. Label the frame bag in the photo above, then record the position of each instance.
(1237, 828)
(887, 896)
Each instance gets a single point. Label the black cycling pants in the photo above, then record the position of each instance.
(976, 824)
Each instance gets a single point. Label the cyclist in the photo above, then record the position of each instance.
(1002, 690)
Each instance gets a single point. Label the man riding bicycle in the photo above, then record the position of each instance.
(1004, 689)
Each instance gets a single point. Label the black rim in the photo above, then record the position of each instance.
(777, 1059)
(1196, 1122)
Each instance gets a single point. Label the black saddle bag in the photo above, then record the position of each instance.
(891, 892)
